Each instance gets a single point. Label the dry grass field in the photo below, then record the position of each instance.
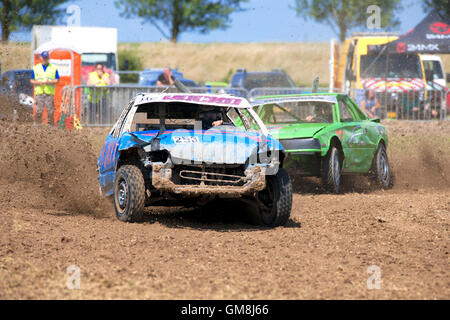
(216, 61)
(15, 56)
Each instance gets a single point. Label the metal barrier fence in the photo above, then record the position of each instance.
(431, 104)
(259, 92)
(404, 105)
(101, 106)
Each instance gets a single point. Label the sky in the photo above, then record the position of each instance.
(264, 21)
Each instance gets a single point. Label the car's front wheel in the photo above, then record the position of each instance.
(276, 199)
(381, 173)
(129, 193)
(331, 170)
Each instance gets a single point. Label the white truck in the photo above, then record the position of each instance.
(96, 45)
(433, 63)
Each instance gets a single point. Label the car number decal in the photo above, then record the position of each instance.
(186, 139)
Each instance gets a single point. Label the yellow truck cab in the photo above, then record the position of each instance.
(361, 67)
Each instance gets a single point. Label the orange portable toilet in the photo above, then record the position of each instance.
(68, 62)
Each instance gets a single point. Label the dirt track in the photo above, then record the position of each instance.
(53, 218)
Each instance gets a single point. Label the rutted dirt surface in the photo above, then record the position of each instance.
(52, 218)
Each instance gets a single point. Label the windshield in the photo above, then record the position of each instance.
(91, 59)
(186, 116)
(263, 80)
(298, 111)
(396, 66)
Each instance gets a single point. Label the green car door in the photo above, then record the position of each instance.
(374, 131)
(357, 142)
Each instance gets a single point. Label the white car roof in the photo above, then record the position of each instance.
(316, 98)
(219, 100)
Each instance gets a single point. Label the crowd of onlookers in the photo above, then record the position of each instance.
(405, 105)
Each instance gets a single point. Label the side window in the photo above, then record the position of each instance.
(242, 117)
(234, 116)
(437, 70)
(344, 112)
(356, 110)
(268, 115)
(125, 125)
(434, 66)
(116, 131)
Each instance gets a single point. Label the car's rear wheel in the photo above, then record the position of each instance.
(381, 174)
(331, 170)
(276, 199)
(129, 193)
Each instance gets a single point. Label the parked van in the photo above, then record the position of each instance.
(433, 64)
(95, 44)
(363, 65)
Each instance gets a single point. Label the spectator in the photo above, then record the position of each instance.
(430, 111)
(371, 106)
(409, 105)
(97, 96)
(99, 77)
(44, 78)
(165, 79)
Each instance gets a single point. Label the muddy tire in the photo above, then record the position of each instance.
(275, 200)
(129, 194)
(381, 173)
(331, 170)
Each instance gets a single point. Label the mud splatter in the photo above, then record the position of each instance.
(22, 113)
(48, 167)
(420, 154)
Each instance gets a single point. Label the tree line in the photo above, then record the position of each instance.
(174, 17)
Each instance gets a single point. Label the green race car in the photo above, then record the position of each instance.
(327, 135)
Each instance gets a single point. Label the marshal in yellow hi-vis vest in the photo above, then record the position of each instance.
(95, 94)
(41, 75)
(94, 78)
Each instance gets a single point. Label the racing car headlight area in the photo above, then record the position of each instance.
(300, 144)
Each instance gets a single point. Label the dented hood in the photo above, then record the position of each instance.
(295, 130)
(225, 145)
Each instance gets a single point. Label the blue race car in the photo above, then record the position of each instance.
(185, 149)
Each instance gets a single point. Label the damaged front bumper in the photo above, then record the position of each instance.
(254, 180)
